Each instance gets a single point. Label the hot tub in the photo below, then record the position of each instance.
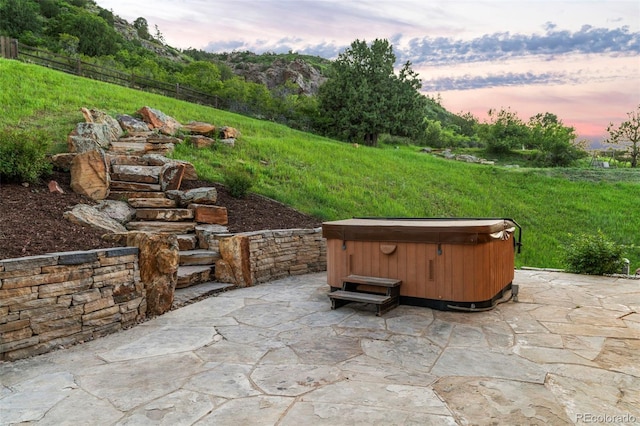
(459, 264)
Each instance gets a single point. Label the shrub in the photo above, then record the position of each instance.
(593, 254)
(23, 156)
(238, 182)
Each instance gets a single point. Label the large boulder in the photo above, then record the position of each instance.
(158, 261)
(90, 175)
(131, 124)
(63, 160)
(227, 132)
(119, 211)
(200, 128)
(86, 215)
(235, 265)
(97, 116)
(199, 141)
(159, 120)
(203, 195)
(89, 137)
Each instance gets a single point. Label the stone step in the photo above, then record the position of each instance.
(214, 215)
(156, 226)
(163, 139)
(117, 185)
(191, 275)
(127, 160)
(170, 215)
(187, 242)
(137, 137)
(132, 195)
(198, 257)
(142, 174)
(152, 203)
(186, 295)
(137, 160)
(140, 148)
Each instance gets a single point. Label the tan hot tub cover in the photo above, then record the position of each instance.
(431, 231)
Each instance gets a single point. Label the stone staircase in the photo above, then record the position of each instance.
(150, 184)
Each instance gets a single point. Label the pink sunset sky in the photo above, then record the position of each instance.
(578, 59)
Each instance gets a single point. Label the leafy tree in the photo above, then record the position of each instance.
(504, 132)
(466, 122)
(19, 16)
(203, 76)
(149, 68)
(107, 15)
(97, 38)
(69, 44)
(627, 133)
(365, 98)
(554, 141)
(49, 8)
(433, 134)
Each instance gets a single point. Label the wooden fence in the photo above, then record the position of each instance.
(10, 49)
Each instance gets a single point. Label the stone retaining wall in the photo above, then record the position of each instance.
(255, 257)
(60, 299)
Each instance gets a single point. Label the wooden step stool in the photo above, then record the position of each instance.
(350, 293)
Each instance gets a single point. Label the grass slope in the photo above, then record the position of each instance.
(333, 180)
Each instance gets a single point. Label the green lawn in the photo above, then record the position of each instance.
(333, 180)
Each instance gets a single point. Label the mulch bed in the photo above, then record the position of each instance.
(31, 221)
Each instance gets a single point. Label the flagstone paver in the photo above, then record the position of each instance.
(277, 354)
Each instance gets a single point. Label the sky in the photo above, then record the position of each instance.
(578, 59)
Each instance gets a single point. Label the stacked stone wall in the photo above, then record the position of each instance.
(277, 254)
(255, 257)
(59, 299)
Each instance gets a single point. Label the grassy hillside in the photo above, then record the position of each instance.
(333, 180)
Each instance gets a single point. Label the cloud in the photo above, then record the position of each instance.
(468, 82)
(449, 51)
(504, 45)
(226, 46)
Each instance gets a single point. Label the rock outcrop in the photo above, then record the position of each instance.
(307, 78)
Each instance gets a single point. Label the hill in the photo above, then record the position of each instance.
(333, 180)
(276, 87)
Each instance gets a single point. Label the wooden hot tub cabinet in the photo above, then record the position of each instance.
(442, 263)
